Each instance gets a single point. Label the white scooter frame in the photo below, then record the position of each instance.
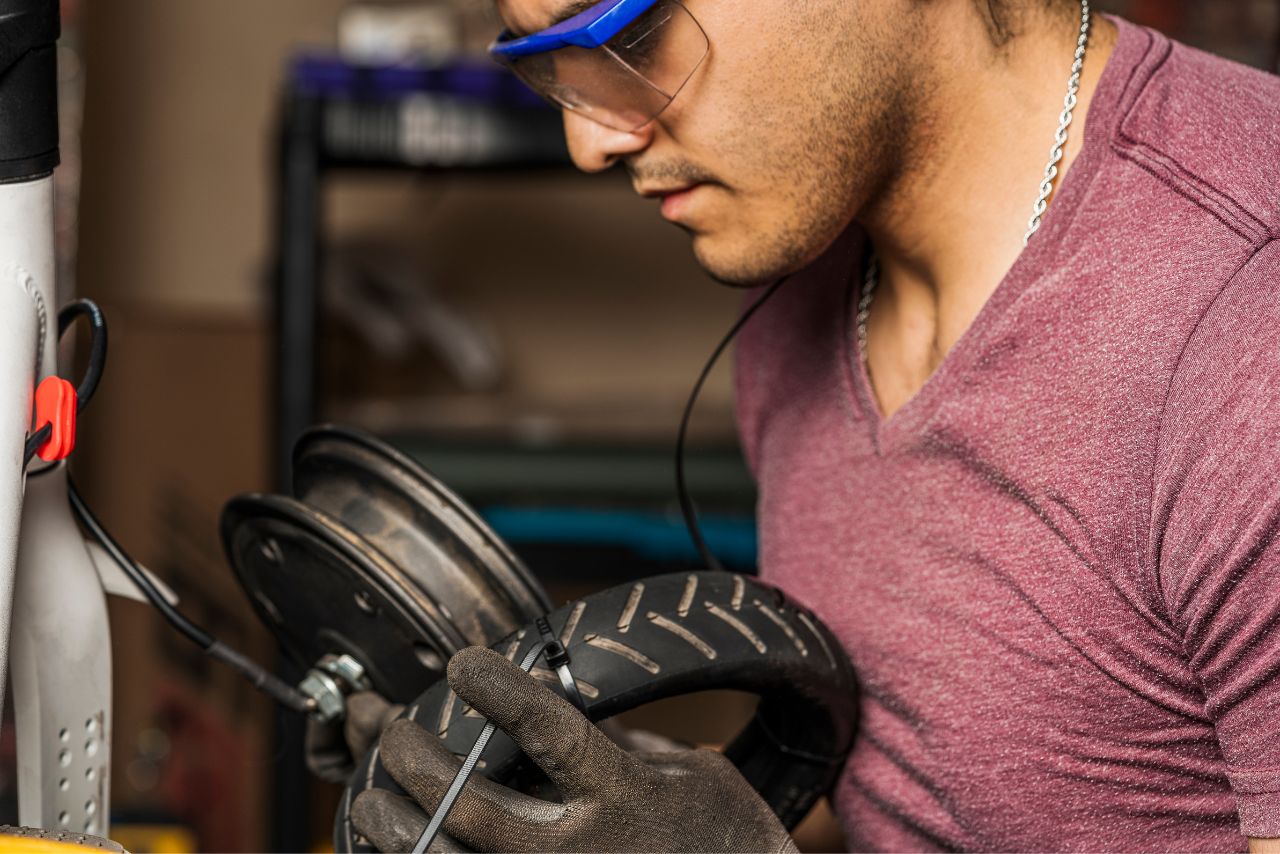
(55, 646)
(55, 643)
(54, 640)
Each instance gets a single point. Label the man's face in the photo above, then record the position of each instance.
(791, 125)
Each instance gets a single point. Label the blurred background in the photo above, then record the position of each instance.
(233, 170)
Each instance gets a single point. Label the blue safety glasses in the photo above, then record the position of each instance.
(619, 63)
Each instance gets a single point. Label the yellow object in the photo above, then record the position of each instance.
(39, 846)
(154, 838)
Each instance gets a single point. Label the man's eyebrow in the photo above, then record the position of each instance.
(577, 7)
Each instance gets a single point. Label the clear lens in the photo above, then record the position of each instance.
(593, 83)
(630, 80)
(664, 46)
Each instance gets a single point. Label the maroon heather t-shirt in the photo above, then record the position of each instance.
(1057, 567)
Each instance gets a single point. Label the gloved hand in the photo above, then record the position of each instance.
(332, 749)
(687, 800)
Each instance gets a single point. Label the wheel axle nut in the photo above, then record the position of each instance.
(329, 683)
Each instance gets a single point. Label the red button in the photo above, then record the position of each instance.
(56, 405)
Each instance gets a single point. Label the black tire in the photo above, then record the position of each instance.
(667, 636)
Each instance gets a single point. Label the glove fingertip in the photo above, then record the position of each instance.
(365, 809)
(475, 664)
(389, 822)
(493, 686)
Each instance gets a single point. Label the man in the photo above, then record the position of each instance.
(1028, 473)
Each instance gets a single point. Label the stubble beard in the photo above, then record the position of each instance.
(844, 148)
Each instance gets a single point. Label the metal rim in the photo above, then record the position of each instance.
(320, 447)
(256, 532)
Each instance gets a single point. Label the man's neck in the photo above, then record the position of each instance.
(948, 229)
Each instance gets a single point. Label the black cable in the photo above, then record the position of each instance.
(279, 690)
(34, 441)
(93, 374)
(261, 678)
(97, 345)
(686, 503)
(196, 634)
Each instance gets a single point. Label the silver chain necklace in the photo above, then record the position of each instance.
(872, 278)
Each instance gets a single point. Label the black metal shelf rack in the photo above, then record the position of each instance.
(338, 120)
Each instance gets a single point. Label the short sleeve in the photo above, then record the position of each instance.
(1216, 527)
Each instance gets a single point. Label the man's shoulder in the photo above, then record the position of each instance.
(1208, 128)
(1232, 358)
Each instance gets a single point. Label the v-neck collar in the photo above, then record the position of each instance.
(1044, 251)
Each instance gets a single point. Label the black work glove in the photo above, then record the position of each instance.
(686, 800)
(332, 749)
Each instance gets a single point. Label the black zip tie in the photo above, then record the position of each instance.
(468, 766)
(558, 660)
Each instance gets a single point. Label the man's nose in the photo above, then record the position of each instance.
(595, 147)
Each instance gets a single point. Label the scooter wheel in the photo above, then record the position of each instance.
(667, 636)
